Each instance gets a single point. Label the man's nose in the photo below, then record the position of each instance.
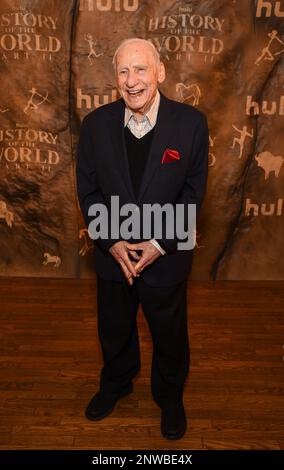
(131, 79)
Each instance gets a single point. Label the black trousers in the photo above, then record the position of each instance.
(165, 312)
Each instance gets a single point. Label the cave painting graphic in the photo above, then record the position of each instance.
(243, 133)
(83, 234)
(92, 43)
(268, 52)
(189, 94)
(5, 214)
(198, 235)
(269, 163)
(51, 259)
(36, 99)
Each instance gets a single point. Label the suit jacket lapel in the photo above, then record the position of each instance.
(163, 129)
(120, 154)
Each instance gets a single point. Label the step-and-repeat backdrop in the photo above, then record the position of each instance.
(226, 57)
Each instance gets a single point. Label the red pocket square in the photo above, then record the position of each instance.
(170, 155)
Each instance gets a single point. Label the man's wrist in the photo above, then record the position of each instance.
(158, 246)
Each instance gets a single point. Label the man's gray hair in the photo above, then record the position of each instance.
(156, 54)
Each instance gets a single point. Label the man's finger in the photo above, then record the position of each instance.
(141, 264)
(126, 273)
(129, 265)
(134, 246)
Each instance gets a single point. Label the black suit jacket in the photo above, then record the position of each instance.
(102, 172)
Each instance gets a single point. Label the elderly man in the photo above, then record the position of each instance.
(144, 149)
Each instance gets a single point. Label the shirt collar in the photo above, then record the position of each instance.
(151, 115)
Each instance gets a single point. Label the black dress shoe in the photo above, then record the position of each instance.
(173, 421)
(103, 403)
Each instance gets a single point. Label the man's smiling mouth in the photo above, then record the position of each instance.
(135, 92)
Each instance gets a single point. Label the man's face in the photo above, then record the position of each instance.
(137, 76)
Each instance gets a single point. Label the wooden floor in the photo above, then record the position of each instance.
(50, 363)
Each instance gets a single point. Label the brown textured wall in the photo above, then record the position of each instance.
(224, 56)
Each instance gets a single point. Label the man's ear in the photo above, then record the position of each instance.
(161, 73)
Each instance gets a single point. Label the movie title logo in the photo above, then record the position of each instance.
(185, 33)
(24, 34)
(28, 148)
